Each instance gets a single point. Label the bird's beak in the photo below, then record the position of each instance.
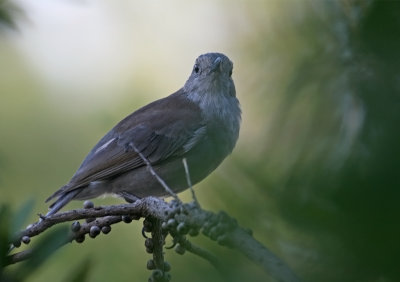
(216, 64)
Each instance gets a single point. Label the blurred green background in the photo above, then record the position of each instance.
(315, 173)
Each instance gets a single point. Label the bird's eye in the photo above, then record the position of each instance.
(230, 73)
(196, 68)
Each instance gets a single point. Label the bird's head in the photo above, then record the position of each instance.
(211, 75)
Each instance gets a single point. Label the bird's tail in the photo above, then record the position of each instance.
(62, 200)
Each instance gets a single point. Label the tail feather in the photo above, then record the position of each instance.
(57, 193)
(62, 200)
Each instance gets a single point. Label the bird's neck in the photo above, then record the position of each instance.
(221, 112)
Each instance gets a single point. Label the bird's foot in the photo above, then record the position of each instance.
(128, 197)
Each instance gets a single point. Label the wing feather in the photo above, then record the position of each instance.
(163, 129)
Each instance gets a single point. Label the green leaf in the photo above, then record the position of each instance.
(4, 234)
(21, 215)
(8, 13)
(80, 273)
(42, 251)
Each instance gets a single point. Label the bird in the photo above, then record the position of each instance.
(200, 122)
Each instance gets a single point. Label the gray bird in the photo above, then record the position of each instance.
(199, 122)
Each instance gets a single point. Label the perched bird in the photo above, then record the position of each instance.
(199, 122)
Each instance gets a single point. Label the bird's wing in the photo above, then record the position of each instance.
(163, 129)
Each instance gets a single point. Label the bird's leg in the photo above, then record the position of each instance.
(130, 198)
(150, 168)
(189, 181)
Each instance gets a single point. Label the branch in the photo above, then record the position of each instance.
(243, 242)
(177, 220)
(190, 247)
(155, 245)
